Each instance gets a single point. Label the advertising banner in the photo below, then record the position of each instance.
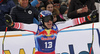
(78, 42)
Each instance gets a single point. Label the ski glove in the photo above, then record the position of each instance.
(92, 17)
(9, 21)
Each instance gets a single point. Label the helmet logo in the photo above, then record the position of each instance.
(45, 16)
(40, 16)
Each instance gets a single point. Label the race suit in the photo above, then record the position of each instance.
(45, 39)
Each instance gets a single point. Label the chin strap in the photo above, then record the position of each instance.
(3, 40)
(92, 38)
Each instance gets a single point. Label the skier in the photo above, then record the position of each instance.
(46, 32)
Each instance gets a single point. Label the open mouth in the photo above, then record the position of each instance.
(49, 24)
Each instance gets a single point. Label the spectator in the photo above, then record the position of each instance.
(57, 5)
(41, 6)
(5, 8)
(38, 5)
(63, 13)
(80, 8)
(49, 6)
(63, 4)
(24, 12)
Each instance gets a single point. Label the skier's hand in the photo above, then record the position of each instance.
(93, 16)
(9, 21)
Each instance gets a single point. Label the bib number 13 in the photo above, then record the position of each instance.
(48, 44)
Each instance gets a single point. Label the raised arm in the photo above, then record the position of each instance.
(28, 27)
(70, 23)
(76, 21)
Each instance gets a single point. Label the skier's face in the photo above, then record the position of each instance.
(23, 3)
(48, 24)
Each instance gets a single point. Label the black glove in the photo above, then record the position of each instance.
(9, 21)
(92, 17)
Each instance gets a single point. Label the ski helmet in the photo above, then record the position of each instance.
(45, 16)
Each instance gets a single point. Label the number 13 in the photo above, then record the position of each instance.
(48, 44)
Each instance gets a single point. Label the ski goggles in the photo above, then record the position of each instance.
(48, 18)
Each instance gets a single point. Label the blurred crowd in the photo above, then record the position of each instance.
(27, 11)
